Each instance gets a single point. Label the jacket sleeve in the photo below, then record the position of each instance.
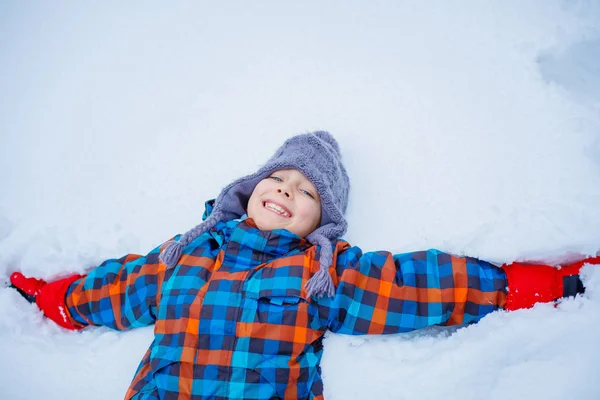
(120, 293)
(380, 293)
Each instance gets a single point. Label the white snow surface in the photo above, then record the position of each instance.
(472, 127)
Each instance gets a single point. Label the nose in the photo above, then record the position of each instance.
(285, 192)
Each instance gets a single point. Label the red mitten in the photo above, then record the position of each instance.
(49, 297)
(529, 284)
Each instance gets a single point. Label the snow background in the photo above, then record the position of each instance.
(472, 127)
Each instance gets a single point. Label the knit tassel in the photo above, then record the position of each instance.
(171, 254)
(321, 283)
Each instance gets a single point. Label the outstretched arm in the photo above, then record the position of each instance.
(380, 292)
(120, 293)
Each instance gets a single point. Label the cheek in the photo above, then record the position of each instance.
(251, 207)
(253, 204)
(258, 191)
(310, 212)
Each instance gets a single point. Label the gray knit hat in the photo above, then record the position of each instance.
(317, 155)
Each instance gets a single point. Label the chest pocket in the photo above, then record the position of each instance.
(280, 328)
(277, 296)
(283, 285)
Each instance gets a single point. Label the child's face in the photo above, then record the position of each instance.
(285, 200)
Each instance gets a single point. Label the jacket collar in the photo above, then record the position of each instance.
(246, 246)
(278, 242)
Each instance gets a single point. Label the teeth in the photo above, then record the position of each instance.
(277, 209)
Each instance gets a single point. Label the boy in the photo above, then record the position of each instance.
(241, 302)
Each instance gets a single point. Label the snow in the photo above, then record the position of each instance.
(473, 128)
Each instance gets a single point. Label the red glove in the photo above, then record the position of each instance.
(529, 284)
(49, 297)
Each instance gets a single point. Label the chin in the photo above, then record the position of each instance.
(266, 226)
(271, 227)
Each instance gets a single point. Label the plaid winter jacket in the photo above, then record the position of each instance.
(232, 320)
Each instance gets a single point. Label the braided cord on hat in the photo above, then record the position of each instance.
(321, 283)
(171, 254)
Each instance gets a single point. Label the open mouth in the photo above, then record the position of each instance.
(277, 209)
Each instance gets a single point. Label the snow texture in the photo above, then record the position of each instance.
(472, 127)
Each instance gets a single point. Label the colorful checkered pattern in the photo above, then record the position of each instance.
(232, 320)
(382, 293)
